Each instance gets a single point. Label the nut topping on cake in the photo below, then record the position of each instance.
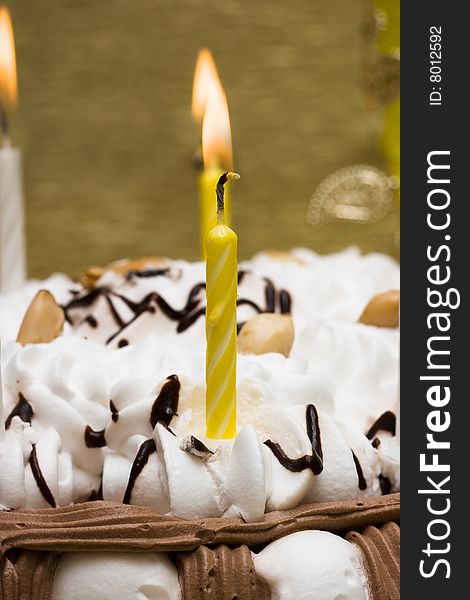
(382, 310)
(92, 274)
(43, 321)
(267, 332)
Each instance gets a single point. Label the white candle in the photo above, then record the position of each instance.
(12, 239)
(12, 244)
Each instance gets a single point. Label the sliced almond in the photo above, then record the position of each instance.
(43, 321)
(382, 310)
(267, 332)
(92, 274)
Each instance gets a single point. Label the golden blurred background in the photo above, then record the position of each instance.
(104, 123)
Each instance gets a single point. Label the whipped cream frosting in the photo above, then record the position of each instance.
(308, 565)
(121, 392)
(312, 565)
(111, 575)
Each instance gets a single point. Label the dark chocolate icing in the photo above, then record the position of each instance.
(166, 404)
(94, 439)
(189, 320)
(241, 275)
(147, 273)
(270, 296)
(115, 527)
(361, 480)
(385, 485)
(141, 459)
(167, 427)
(114, 411)
(23, 410)
(92, 322)
(285, 302)
(313, 431)
(96, 495)
(39, 478)
(386, 422)
(312, 461)
(184, 318)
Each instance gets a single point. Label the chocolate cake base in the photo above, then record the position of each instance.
(213, 555)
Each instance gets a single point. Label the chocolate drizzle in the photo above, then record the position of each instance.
(147, 273)
(385, 485)
(141, 459)
(313, 431)
(186, 322)
(166, 404)
(92, 322)
(241, 275)
(94, 439)
(39, 478)
(361, 480)
(386, 422)
(270, 296)
(312, 461)
(184, 317)
(114, 411)
(23, 410)
(96, 495)
(192, 311)
(285, 302)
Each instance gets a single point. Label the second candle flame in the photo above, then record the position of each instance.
(8, 80)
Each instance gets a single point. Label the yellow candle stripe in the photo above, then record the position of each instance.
(221, 414)
(221, 325)
(215, 272)
(215, 359)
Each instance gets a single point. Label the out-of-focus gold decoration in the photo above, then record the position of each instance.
(362, 193)
(358, 194)
(382, 77)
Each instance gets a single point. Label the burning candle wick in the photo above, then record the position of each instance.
(220, 193)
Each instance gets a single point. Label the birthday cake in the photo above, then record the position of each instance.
(104, 412)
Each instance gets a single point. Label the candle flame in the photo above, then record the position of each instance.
(8, 81)
(210, 107)
(216, 133)
(205, 77)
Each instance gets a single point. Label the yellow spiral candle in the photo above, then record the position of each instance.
(221, 323)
